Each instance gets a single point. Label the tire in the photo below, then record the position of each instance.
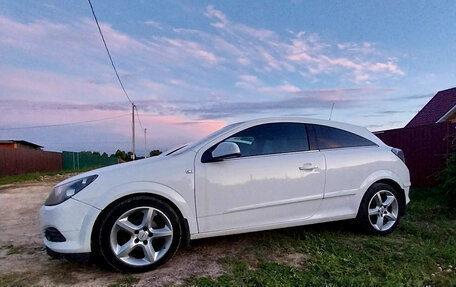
(380, 209)
(139, 234)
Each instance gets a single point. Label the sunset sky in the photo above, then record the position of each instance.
(192, 67)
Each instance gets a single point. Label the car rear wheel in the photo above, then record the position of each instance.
(139, 234)
(379, 212)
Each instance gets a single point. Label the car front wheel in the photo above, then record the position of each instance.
(139, 234)
(379, 212)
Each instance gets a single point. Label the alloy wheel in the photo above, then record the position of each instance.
(383, 210)
(141, 236)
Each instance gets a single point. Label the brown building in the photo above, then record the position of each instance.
(19, 144)
(441, 108)
(428, 139)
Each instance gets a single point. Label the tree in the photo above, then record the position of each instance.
(104, 154)
(120, 154)
(154, 152)
(447, 178)
(129, 156)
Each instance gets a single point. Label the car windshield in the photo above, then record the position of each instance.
(192, 145)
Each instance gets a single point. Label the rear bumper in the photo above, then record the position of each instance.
(406, 193)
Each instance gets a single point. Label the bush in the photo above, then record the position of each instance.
(447, 178)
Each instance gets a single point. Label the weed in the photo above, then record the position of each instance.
(17, 280)
(13, 249)
(127, 281)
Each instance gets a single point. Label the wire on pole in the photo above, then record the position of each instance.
(109, 54)
(139, 120)
(64, 124)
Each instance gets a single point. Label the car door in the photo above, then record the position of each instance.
(276, 180)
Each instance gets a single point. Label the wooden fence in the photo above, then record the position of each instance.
(18, 161)
(426, 149)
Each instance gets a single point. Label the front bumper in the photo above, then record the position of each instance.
(76, 257)
(74, 220)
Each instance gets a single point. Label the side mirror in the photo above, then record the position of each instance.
(226, 150)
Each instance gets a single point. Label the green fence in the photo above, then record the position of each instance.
(79, 160)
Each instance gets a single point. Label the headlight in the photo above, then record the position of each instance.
(62, 192)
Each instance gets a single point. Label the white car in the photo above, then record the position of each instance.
(249, 176)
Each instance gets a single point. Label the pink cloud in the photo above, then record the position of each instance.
(164, 131)
(284, 88)
(176, 129)
(307, 53)
(388, 66)
(312, 54)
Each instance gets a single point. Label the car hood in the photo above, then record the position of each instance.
(148, 169)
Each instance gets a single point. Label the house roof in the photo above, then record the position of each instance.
(438, 109)
(21, 142)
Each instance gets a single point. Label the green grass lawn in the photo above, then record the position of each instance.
(421, 252)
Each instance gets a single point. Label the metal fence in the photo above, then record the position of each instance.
(426, 149)
(19, 161)
(80, 160)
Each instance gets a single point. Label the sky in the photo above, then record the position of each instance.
(192, 67)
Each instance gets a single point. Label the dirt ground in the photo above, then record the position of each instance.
(23, 260)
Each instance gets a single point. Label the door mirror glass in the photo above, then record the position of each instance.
(226, 150)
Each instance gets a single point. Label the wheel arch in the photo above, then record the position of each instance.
(391, 182)
(101, 216)
(399, 189)
(387, 176)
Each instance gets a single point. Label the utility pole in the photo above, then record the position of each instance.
(133, 130)
(145, 143)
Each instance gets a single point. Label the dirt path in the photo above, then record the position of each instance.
(23, 260)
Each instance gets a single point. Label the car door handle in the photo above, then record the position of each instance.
(308, 166)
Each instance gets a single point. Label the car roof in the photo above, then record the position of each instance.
(330, 123)
(340, 125)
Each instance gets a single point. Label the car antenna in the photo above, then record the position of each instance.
(330, 114)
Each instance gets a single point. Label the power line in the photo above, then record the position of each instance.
(90, 142)
(136, 108)
(118, 78)
(109, 54)
(64, 124)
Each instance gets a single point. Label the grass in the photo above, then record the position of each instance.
(127, 281)
(36, 175)
(12, 249)
(17, 280)
(54, 272)
(421, 252)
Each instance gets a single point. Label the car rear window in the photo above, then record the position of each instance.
(330, 138)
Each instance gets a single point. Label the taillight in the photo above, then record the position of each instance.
(399, 153)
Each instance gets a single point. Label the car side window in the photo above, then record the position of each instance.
(330, 138)
(269, 139)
